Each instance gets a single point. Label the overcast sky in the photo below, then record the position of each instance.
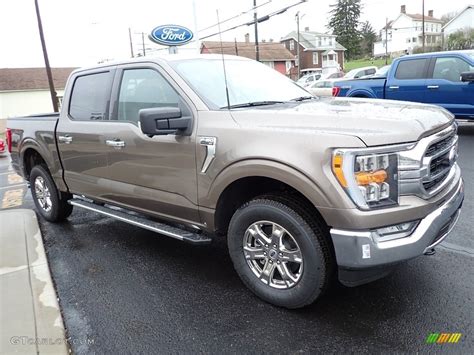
(83, 32)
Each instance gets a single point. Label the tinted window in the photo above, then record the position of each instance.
(450, 68)
(411, 69)
(143, 88)
(90, 96)
(370, 71)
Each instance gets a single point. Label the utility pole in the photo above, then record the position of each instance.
(257, 53)
(386, 40)
(423, 23)
(236, 49)
(143, 44)
(130, 39)
(298, 42)
(54, 98)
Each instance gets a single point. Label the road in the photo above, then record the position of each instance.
(123, 289)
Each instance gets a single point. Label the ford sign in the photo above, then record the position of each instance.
(171, 35)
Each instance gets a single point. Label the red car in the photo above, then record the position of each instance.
(3, 148)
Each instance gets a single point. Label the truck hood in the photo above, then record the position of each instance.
(375, 122)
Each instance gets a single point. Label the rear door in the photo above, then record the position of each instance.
(156, 175)
(408, 80)
(81, 132)
(445, 87)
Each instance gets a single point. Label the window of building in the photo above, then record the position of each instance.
(143, 88)
(89, 97)
(315, 57)
(292, 45)
(408, 40)
(411, 69)
(413, 40)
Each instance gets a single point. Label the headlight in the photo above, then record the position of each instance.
(371, 180)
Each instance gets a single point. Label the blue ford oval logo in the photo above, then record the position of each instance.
(171, 35)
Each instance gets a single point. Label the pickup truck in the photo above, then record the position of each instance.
(445, 79)
(304, 189)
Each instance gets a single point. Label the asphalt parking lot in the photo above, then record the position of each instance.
(126, 290)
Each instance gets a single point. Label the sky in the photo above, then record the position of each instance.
(84, 32)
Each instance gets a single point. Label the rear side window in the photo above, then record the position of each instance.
(370, 71)
(90, 96)
(411, 69)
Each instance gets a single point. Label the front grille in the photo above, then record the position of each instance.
(442, 144)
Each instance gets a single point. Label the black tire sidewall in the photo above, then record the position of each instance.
(54, 214)
(312, 280)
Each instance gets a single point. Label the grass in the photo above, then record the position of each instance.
(359, 63)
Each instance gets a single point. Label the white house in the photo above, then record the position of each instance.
(25, 91)
(463, 20)
(406, 32)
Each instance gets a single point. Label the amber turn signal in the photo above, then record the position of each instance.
(364, 178)
(337, 169)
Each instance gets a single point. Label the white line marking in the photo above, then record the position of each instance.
(466, 251)
(11, 186)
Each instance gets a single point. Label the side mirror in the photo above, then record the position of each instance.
(163, 120)
(467, 76)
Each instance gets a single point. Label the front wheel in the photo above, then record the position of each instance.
(280, 251)
(49, 201)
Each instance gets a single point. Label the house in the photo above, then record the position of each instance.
(25, 91)
(463, 20)
(273, 54)
(406, 32)
(317, 50)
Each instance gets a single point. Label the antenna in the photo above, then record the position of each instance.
(223, 61)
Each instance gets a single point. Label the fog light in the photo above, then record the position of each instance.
(396, 231)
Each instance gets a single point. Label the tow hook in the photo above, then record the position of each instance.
(432, 251)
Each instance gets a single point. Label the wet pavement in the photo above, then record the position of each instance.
(123, 289)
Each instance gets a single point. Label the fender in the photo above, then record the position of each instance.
(264, 168)
(362, 93)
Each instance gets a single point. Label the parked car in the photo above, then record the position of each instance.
(308, 79)
(360, 72)
(305, 190)
(382, 71)
(321, 88)
(3, 149)
(445, 79)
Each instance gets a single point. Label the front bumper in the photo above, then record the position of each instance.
(359, 250)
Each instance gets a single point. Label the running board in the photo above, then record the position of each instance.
(143, 222)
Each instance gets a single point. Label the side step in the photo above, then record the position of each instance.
(143, 222)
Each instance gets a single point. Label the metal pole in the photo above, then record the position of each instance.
(423, 23)
(143, 44)
(386, 40)
(236, 49)
(130, 39)
(257, 53)
(54, 98)
(298, 42)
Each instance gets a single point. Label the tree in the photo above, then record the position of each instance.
(462, 39)
(368, 38)
(344, 23)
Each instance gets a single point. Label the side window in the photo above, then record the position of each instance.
(370, 71)
(450, 68)
(143, 88)
(311, 78)
(411, 69)
(90, 96)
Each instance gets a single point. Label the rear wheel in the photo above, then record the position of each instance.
(49, 201)
(280, 251)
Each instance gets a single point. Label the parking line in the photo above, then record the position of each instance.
(466, 251)
(12, 186)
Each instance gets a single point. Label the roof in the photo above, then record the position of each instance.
(419, 17)
(26, 79)
(308, 40)
(458, 14)
(268, 51)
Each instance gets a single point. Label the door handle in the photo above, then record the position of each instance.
(115, 143)
(395, 87)
(65, 139)
(432, 87)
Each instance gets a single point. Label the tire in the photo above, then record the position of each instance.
(303, 260)
(49, 201)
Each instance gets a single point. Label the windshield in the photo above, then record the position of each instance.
(352, 73)
(247, 80)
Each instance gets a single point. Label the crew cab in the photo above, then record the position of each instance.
(445, 79)
(304, 189)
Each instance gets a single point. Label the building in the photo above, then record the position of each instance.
(405, 33)
(463, 20)
(317, 50)
(25, 91)
(273, 54)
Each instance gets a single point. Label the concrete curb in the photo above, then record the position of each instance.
(30, 317)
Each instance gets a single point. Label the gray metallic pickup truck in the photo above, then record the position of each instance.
(305, 189)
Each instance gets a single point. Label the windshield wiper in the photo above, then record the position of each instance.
(254, 103)
(303, 98)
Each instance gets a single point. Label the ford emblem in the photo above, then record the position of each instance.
(171, 35)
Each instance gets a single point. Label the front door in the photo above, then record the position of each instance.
(155, 175)
(81, 132)
(446, 88)
(409, 81)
